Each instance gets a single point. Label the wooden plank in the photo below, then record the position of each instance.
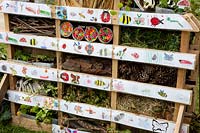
(157, 57)
(95, 112)
(30, 124)
(116, 33)
(169, 21)
(4, 84)
(145, 122)
(177, 95)
(179, 109)
(59, 60)
(10, 52)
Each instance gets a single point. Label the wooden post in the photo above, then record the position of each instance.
(115, 63)
(4, 84)
(179, 109)
(10, 52)
(59, 66)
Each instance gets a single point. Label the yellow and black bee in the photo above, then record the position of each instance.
(125, 19)
(99, 83)
(33, 42)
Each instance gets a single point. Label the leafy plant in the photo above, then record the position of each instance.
(20, 55)
(5, 114)
(3, 52)
(85, 95)
(148, 38)
(41, 114)
(44, 115)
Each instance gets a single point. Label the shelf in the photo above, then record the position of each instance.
(157, 57)
(135, 19)
(100, 113)
(98, 82)
(26, 8)
(142, 55)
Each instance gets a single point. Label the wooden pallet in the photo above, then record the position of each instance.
(181, 77)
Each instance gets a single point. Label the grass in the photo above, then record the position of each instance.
(15, 129)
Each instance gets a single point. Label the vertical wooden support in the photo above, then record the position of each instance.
(4, 84)
(179, 109)
(10, 52)
(59, 66)
(115, 64)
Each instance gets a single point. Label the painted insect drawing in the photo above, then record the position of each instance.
(159, 127)
(168, 57)
(75, 79)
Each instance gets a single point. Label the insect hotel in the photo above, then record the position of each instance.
(90, 66)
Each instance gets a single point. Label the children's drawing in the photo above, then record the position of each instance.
(139, 20)
(75, 79)
(159, 127)
(61, 12)
(186, 62)
(89, 49)
(168, 57)
(105, 16)
(183, 4)
(156, 21)
(162, 93)
(64, 76)
(119, 117)
(125, 19)
(174, 21)
(121, 53)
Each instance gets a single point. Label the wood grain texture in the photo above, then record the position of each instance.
(4, 85)
(30, 124)
(179, 109)
(115, 63)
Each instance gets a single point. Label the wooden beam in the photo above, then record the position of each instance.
(4, 85)
(10, 52)
(179, 109)
(115, 63)
(31, 124)
(59, 65)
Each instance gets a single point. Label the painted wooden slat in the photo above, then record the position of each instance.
(86, 80)
(59, 129)
(158, 57)
(33, 100)
(153, 91)
(94, 112)
(146, 123)
(83, 14)
(27, 70)
(25, 8)
(41, 42)
(154, 20)
(85, 110)
(85, 48)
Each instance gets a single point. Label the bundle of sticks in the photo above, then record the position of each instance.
(103, 4)
(43, 27)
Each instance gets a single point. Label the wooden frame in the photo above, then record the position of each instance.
(181, 81)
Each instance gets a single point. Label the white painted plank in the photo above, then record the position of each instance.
(59, 129)
(85, 110)
(83, 14)
(158, 57)
(85, 48)
(25, 8)
(154, 20)
(94, 112)
(33, 100)
(41, 42)
(28, 70)
(146, 123)
(153, 91)
(86, 80)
